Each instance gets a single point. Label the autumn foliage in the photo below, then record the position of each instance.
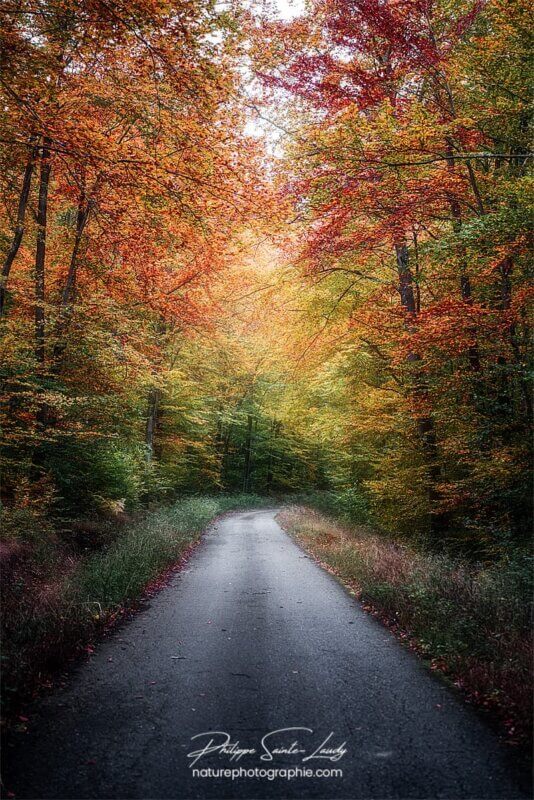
(246, 255)
(125, 178)
(410, 175)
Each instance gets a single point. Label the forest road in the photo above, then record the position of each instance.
(253, 637)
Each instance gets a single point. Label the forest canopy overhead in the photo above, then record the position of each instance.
(341, 304)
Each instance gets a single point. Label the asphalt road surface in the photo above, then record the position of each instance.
(251, 639)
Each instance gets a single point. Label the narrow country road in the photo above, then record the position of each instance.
(254, 637)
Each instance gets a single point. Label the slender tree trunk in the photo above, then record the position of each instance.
(154, 400)
(474, 186)
(270, 464)
(153, 418)
(225, 456)
(424, 420)
(40, 253)
(269, 480)
(417, 272)
(406, 285)
(450, 145)
(69, 291)
(473, 354)
(220, 440)
(248, 455)
(21, 220)
(505, 271)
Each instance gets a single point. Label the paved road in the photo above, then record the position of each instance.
(253, 638)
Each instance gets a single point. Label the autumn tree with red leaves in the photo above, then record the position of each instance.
(125, 179)
(132, 200)
(403, 172)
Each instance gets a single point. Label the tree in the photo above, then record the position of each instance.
(398, 185)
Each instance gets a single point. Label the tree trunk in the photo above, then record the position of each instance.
(473, 354)
(275, 427)
(152, 420)
(425, 422)
(247, 472)
(40, 253)
(69, 291)
(406, 286)
(505, 271)
(70, 285)
(220, 445)
(20, 224)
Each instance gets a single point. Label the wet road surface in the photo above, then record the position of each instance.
(251, 639)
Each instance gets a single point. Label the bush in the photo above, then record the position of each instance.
(348, 504)
(83, 474)
(241, 502)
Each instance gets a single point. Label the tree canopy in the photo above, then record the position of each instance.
(188, 304)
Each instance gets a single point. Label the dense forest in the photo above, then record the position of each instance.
(242, 253)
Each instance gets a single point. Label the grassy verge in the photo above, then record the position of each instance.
(121, 572)
(473, 622)
(55, 599)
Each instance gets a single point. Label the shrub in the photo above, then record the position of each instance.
(83, 473)
(348, 504)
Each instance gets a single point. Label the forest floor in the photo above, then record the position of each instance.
(250, 638)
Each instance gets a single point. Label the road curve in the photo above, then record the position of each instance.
(254, 637)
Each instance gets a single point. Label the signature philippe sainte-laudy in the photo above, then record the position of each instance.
(298, 742)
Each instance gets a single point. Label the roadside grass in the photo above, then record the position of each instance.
(121, 572)
(55, 599)
(472, 621)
